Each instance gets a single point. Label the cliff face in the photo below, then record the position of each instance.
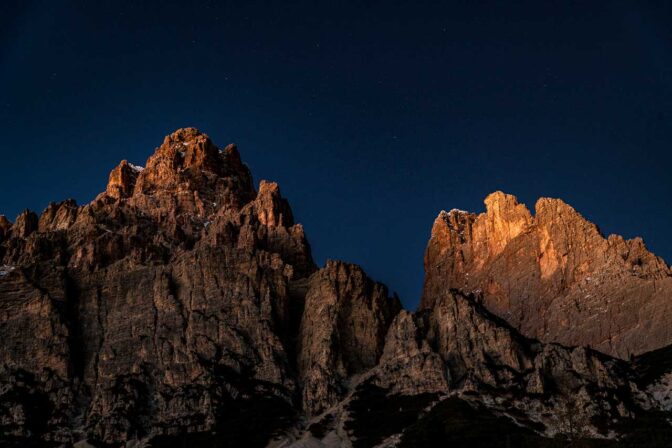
(160, 304)
(343, 329)
(182, 306)
(553, 276)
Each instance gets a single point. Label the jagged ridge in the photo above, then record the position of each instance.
(182, 303)
(553, 276)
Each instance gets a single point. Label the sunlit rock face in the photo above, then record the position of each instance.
(182, 307)
(553, 276)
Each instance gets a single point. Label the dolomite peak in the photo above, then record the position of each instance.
(553, 276)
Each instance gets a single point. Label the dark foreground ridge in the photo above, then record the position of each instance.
(182, 307)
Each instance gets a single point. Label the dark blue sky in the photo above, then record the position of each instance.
(372, 118)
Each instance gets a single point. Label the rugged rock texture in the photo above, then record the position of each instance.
(408, 365)
(345, 320)
(164, 302)
(553, 276)
(5, 227)
(26, 223)
(459, 349)
(484, 353)
(182, 307)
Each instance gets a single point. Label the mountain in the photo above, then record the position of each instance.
(553, 276)
(182, 307)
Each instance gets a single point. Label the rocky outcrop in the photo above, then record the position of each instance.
(5, 227)
(459, 349)
(165, 300)
(58, 216)
(409, 365)
(553, 276)
(122, 180)
(26, 223)
(345, 320)
(482, 352)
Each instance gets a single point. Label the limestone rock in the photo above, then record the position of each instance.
(182, 307)
(345, 320)
(58, 216)
(122, 180)
(26, 223)
(162, 305)
(553, 276)
(408, 365)
(5, 227)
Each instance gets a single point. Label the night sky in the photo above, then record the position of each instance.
(372, 118)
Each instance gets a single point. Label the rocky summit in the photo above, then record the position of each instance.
(553, 276)
(182, 307)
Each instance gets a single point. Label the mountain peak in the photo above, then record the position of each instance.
(499, 199)
(122, 180)
(553, 276)
(187, 160)
(185, 135)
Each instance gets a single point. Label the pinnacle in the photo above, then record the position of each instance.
(499, 198)
(187, 134)
(551, 204)
(187, 137)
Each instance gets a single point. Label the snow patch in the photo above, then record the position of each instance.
(136, 168)
(661, 392)
(6, 269)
